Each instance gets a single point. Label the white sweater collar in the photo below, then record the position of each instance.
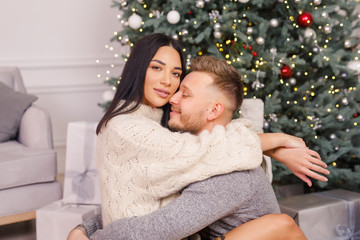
(150, 112)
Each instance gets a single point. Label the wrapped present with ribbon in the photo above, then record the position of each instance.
(81, 183)
(55, 221)
(328, 215)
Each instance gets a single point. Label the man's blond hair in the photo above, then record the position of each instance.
(226, 78)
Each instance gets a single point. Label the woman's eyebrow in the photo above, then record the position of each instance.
(164, 64)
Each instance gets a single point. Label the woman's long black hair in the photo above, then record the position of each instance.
(131, 86)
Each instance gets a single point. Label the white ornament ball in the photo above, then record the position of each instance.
(274, 22)
(217, 26)
(260, 40)
(243, 1)
(354, 65)
(173, 17)
(108, 95)
(135, 21)
(200, 4)
(266, 125)
(249, 30)
(297, 1)
(317, 2)
(175, 36)
(347, 43)
(217, 34)
(309, 33)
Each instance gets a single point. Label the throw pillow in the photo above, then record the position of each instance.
(12, 107)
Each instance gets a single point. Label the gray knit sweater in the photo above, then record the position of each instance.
(211, 208)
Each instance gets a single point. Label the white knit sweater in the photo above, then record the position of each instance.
(142, 165)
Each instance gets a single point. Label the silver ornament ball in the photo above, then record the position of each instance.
(333, 136)
(184, 32)
(347, 43)
(327, 29)
(340, 117)
(249, 30)
(125, 39)
(266, 125)
(315, 50)
(200, 4)
(317, 2)
(175, 36)
(325, 14)
(345, 101)
(292, 81)
(217, 26)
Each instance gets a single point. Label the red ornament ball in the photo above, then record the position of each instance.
(254, 53)
(286, 71)
(305, 19)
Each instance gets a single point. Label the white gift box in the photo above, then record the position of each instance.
(81, 183)
(56, 220)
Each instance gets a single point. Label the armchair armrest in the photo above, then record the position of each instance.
(35, 128)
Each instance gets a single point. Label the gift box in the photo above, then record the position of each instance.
(56, 220)
(331, 215)
(81, 183)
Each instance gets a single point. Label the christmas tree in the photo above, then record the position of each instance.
(301, 57)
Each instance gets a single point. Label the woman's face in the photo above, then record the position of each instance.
(162, 77)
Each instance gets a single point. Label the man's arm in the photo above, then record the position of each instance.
(274, 140)
(199, 205)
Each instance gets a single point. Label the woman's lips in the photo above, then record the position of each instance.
(162, 93)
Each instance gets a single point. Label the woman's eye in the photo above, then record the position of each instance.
(177, 74)
(156, 67)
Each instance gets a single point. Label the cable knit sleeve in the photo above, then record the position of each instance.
(170, 161)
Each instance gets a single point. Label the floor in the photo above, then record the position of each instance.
(22, 230)
(19, 231)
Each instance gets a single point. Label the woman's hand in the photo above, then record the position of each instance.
(302, 162)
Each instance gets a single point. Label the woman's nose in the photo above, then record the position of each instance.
(166, 80)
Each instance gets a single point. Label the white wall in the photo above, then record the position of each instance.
(56, 45)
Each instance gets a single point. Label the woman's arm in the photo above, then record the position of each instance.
(169, 161)
(302, 162)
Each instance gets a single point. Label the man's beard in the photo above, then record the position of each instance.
(188, 123)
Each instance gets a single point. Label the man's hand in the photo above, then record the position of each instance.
(302, 162)
(77, 234)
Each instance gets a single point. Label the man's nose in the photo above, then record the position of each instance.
(174, 100)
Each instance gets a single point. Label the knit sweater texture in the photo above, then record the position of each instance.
(143, 166)
(211, 207)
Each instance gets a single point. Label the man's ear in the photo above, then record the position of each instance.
(215, 111)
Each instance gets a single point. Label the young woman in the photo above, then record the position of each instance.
(139, 160)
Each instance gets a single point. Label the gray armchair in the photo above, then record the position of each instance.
(28, 160)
